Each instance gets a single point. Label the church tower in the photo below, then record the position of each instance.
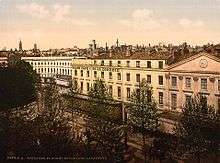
(20, 45)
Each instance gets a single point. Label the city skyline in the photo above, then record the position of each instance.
(62, 24)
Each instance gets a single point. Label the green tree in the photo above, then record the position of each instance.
(143, 112)
(18, 88)
(18, 85)
(54, 130)
(198, 129)
(101, 126)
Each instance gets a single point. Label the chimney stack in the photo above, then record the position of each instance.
(110, 53)
(94, 44)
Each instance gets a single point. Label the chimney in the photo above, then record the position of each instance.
(117, 43)
(106, 46)
(110, 53)
(94, 44)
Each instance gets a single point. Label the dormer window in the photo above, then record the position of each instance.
(138, 64)
(102, 63)
(110, 63)
(119, 63)
(160, 65)
(148, 64)
(128, 63)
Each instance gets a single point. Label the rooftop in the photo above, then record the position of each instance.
(133, 55)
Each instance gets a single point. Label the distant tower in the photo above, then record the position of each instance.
(35, 47)
(94, 44)
(20, 45)
(117, 43)
(106, 46)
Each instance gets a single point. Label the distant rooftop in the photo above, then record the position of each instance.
(133, 55)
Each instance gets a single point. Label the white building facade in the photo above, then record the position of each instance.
(172, 84)
(51, 66)
(121, 76)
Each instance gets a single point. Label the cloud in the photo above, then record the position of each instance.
(57, 13)
(149, 20)
(34, 9)
(142, 14)
(143, 19)
(188, 23)
(61, 12)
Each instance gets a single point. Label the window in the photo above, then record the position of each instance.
(110, 90)
(81, 73)
(204, 84)
(149, 79)
(119, 63)
(160, 65)
(119, 76)
(138, 78)
(102, 75)
(95, 74)
(219, 85)
(110, 75)
(188, 99)
(75, 72)
(149, 95)
(188, 83)
(110, 63)
(204, 100)
(160, 79)
(95, 62)
(218, 105)
(81, 87)
(138, 64)
(128, 76)
(102, 63)
(161, 98)
(88, 87)
(88, 74)
(128, 93)
(148, 64)
(128, 63)
(174, 81)
(173, 101)
(119, 92)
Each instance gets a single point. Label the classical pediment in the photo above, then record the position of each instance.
(201, 63)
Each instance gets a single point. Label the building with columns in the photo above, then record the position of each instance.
(196, 75)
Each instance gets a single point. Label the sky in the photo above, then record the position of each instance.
(65, 23)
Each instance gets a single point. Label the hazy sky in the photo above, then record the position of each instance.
(65, 23)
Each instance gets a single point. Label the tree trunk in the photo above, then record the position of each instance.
(144, 145)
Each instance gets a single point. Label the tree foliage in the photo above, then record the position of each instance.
(142, 111)
(18, 85)
(106, 134)
(198, 129)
